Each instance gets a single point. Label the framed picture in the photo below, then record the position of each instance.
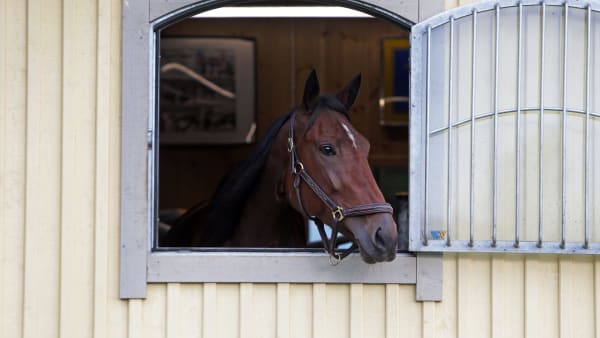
(393, 101)
(207, 93)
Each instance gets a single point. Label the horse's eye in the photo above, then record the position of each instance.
(327, 150)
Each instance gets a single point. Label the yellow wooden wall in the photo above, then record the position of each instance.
(59, 221)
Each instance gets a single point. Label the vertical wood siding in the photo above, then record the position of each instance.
(43, 154)
(59, 221)
(13, 102)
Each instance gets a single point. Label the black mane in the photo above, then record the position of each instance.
(329, 102)
(224, 209)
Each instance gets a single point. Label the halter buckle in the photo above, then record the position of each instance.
(290, 145)
(298, 167)
(338, 214)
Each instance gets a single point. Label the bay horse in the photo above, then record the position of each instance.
(312, 164)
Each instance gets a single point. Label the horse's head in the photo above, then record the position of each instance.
(327, 149)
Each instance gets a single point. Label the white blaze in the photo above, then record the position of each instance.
(349, 133)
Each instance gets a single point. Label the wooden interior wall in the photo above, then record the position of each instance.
(287, 50)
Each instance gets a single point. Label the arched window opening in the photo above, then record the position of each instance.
(286, 50)
(225, 77)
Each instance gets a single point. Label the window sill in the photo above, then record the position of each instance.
(275, 267)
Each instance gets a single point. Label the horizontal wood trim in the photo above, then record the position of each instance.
(261, 267)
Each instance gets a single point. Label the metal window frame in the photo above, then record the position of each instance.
(139, 264)
(420, 133)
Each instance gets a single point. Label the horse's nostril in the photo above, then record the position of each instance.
(379, 239)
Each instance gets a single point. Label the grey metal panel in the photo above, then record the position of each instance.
(587, 130)
(563, 140)
(449, 128)
(429, 277)
(467, 10)
(472, 168)
(495, 160)
(509, 247)
(518, 133)
(507, 111)
(541, 140)
(417, 138)
(134, 121)
(261, 267)
(418, 113)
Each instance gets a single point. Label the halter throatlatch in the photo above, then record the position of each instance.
(338, 212)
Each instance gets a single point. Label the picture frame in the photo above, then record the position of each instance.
(207, 90)
(394, 96)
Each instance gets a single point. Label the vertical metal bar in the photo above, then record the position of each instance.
(427, 108)
(563, 127)
(541, 154)
(518, 136)
(472, 182)
(450, 93)
(587, 131)
(495, 164)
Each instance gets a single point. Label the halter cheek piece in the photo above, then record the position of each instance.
(338, 213)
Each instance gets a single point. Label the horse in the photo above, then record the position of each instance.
(311, 164)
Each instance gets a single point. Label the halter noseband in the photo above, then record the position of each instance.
(337, 211)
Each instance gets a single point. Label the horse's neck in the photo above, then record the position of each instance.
(267, 220)
(269, 223)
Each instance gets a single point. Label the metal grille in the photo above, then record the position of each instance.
(505, 128)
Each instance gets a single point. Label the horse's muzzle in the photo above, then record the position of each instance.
(376, 236)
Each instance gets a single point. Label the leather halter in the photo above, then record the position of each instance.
(338, 212)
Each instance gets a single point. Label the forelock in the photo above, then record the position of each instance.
(326, 101)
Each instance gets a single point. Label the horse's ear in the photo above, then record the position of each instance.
(311, 89)
(348, 94)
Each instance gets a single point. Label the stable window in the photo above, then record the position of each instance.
(505, 128)
(142, 261)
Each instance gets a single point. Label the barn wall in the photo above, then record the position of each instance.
(59, 221)
(59, 168)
